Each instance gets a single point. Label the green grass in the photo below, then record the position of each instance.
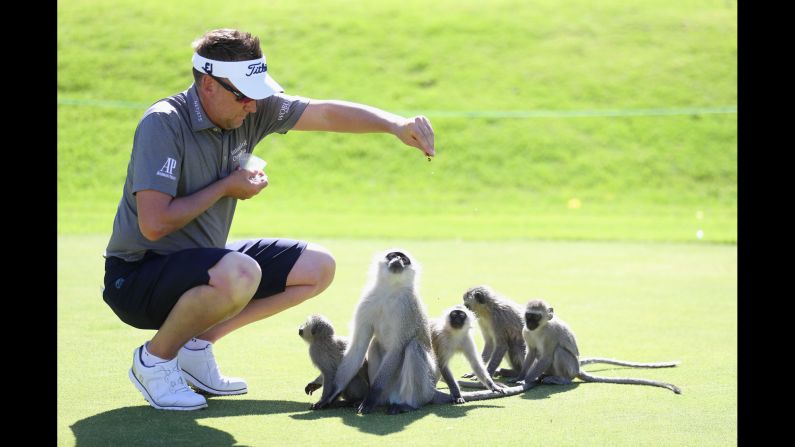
(634, 301)
(637, 177)
(624, 269)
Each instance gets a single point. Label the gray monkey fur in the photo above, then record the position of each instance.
(501, 322)
(552, 354)
(451, 334)
(326, 350)
(390, 327)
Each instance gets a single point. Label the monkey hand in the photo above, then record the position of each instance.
(497, 388)
(324, 402)
(311, 386)
(470, 375)
(366, 406)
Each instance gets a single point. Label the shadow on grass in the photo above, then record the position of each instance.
(543, 391)
(380, 423)
(144, 425)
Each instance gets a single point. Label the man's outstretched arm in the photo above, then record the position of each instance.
(344, 116)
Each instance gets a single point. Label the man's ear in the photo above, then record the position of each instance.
(206, 84)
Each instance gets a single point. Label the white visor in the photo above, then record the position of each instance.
(250, 77)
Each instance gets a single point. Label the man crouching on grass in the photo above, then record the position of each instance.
(168, 265)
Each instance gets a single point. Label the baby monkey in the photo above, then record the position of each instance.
(326, 351)
(451, 334)
(553, 357)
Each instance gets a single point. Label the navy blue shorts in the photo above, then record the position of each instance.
(142, 293)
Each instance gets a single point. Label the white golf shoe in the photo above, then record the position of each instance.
(201, 371)
(163, 386)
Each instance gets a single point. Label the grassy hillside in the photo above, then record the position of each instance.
(652, 177)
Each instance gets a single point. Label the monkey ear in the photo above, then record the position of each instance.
(479, 297)
(551, 313)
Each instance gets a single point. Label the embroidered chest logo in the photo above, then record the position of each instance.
(167, 170)
(239, 150)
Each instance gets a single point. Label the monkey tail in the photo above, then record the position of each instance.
(590, 360)
(469, 384)
(589, 378)
(444, 398)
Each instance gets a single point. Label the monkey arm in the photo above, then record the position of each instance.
(468, 346)
(327, 391)
(352, 361)
(314, 385)
(496, 358)
(455, 391)
(539, 367)
(529, 359)
(488, 349)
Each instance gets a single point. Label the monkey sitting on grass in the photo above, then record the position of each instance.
(326, 351)
(451, 334)
(552, 354)
(501, 323)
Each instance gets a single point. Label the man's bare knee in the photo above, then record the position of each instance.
(237, 277)
(315, 267)
(327, 267)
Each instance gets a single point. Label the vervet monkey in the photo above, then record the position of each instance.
(501, 323)
(451, 334)
(326, 351)
(391, 320)
(552, 354)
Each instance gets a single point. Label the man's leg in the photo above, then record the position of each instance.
(233, 281)
(312, 273)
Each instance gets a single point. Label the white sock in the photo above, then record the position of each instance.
(194, 344)
(149, 359)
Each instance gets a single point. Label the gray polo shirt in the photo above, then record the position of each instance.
(178, 150)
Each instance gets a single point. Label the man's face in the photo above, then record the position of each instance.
(222, 106)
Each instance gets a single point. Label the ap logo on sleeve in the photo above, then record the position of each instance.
(167, 170)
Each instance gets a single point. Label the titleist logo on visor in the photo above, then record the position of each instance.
(257, 68)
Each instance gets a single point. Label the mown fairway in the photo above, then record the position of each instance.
(580, 147)
(643, 302)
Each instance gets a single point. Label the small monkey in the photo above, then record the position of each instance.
(552, 354)
(501, 323)
(450, 334)
(326, 351)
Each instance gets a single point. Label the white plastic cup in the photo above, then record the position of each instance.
(251, 162)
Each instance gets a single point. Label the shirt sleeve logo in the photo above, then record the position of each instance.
(283, 110)
(167, 170)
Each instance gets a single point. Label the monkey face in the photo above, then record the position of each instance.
(475, 296)
(532, 320)
(302, 330)
(397, 261)
(457, 319)
(315, 326)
